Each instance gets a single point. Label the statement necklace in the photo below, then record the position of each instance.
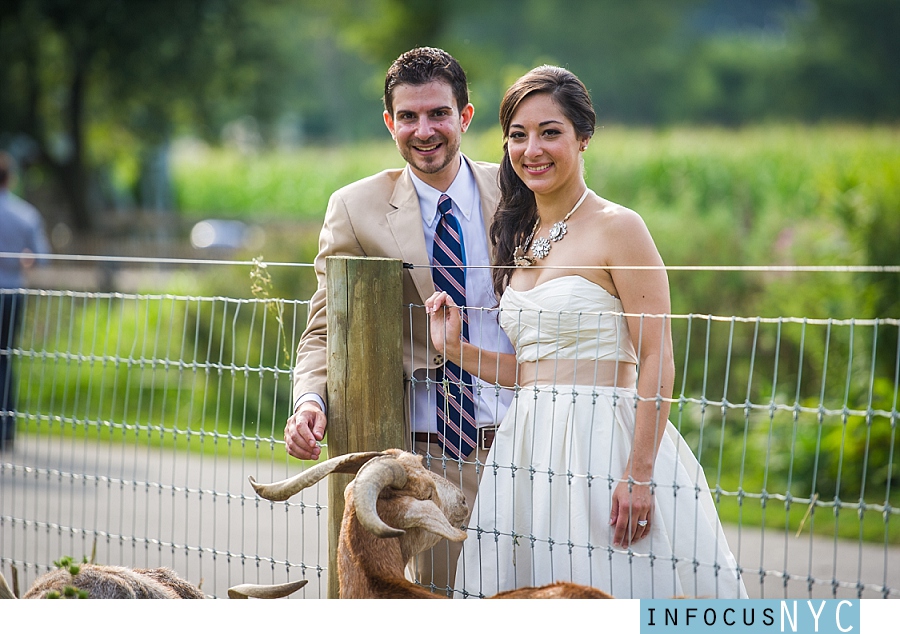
(541, 247)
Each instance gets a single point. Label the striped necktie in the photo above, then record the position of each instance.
(455, 401)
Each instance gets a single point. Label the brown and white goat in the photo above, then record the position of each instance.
(394, 509)
(109, 582)
(117, 582)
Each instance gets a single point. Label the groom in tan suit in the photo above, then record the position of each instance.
(394, 214)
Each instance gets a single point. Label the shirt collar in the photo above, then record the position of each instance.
(463, 191)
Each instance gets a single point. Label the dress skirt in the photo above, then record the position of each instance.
(543, 505)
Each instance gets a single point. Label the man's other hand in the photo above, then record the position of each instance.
(303, 431)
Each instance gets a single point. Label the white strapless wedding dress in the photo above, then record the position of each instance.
(543, 504)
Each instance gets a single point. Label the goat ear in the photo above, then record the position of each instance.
(283, 490)
(426, 515)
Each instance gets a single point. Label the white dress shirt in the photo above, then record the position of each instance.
(491, 402)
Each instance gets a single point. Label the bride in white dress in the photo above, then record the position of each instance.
(586, 480)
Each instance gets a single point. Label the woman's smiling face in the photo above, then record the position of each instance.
(543, 146)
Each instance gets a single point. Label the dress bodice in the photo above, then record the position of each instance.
(567, 317)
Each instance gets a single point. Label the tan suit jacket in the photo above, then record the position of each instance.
(379, 216)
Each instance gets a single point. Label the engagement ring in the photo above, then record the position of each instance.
(642, 523)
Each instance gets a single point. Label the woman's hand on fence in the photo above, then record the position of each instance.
(303, 431)
(631, 513)
(446, 326)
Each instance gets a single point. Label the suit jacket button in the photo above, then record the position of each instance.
(439, 359)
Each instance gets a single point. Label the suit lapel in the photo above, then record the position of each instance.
(405, 222)
(489, 191)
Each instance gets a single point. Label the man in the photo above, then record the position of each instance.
(405, 214)
(21, 231)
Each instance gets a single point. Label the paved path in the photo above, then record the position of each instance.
(197, 514)
(192, 512)
(823, 559)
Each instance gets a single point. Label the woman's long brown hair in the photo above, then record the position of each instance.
(517, 210)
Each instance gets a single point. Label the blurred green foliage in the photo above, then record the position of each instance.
(92, 94)
(762, 195)
(293, 185)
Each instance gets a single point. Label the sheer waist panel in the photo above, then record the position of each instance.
(577, 372)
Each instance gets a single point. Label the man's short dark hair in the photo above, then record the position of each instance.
(421, 66)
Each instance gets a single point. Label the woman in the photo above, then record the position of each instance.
(586, 480)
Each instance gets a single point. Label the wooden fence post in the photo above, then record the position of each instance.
(365, 371)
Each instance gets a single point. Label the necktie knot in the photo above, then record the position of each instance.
(445, 205)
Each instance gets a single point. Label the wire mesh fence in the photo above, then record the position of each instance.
(138, 420)
(794, 422)
(139, 417)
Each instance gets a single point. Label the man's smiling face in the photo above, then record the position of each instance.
(427, 126)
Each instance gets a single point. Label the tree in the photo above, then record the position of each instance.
(384, 29)
(89, 83)
(141, 67)
(850, 68)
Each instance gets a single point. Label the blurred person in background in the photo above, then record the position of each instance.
(21, 231)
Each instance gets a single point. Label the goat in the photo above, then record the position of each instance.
(109, 582)
(558, 590)
(116, 582)
(394, 509)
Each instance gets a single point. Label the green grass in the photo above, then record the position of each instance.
(798, 520)
(794, 169)
(212, 182)
(138, 367)
(212, 442)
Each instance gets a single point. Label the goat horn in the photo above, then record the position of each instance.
(283, 490)
(5, 592)
(371, 481)
(255, 591)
